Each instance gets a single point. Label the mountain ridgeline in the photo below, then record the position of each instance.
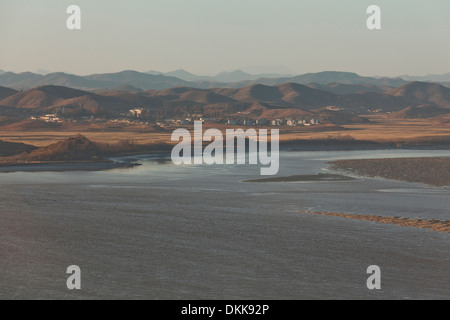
(154, 80)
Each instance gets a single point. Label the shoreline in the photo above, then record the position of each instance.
(361, 147)
(324, 177)
(345, 170)
(431, 224)
(433, 171)
(66, 166)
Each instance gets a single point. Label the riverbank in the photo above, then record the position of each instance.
(305, 178)
(432, 224)
(433, 171)
(66, 166)
(77, 154)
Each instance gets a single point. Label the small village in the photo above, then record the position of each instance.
(139, 116)
(137, 113)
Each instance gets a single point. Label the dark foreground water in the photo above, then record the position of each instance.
(198, 232)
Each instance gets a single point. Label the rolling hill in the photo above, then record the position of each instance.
(293, 98)
(98, 81)
(257, 92)
(421, 112)
(305, 97)
(288, 94)
(327, 77)
(192, 95)
(157, 81)
(342, 88)
(371, 101)
(424, 93)
(8, 149)
(6, 92)
(77, 148)
(23, 80)
(49, 98)
(44, 97)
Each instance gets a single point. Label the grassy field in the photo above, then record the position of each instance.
(379, 130)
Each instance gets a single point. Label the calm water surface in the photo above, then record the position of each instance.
(198, 232)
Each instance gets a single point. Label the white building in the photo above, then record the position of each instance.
(50, 118)
(136, 112)
(276, 122)
(261, 122)
(290, 123)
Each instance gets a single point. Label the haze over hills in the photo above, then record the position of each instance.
(429, 78)
(239, 75)
(342, 88)
(98, 81)
(24, 80)
(332, 81)
(42, 72)
(233, 76)
(183, 75)
(327, 77)
(146, 81)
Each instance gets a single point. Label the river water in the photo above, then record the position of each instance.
(159, 231)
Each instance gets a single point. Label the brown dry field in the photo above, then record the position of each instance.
(380, 129)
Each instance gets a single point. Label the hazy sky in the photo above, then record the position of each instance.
(209, 36)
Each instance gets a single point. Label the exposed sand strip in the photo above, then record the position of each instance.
(432, 224)
(433, 170)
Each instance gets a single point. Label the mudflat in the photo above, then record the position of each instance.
(305, 178)
(432, 224)
(433, 171)
(66, 166)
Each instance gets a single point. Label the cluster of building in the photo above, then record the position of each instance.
(136, 112)
(189, 120)
(334, 108)
(139, 116)
(128, 121)
(48, 118)
(244, 122)
(277, 122)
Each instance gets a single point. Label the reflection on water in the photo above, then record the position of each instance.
(160, 231)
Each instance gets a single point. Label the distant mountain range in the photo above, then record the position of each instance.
(429, 78)
(327, 77)
(288, 99)
(233, 76)
(331, 81)
(139, 80)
